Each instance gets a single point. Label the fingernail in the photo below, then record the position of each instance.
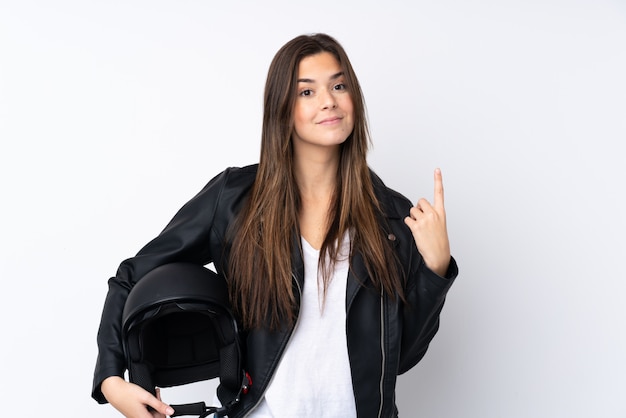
(169, 410)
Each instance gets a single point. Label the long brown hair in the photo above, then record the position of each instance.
(260, 265)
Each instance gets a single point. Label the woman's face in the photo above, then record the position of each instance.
(323, 114)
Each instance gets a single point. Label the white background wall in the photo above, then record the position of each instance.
(114, 113)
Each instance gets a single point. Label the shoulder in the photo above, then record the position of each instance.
(394, 204)
(239, 174)
(228, 187)
(233, 178)
(236, 184)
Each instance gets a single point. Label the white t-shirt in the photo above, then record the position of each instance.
(313, 378)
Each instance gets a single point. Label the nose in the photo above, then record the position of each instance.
(328, 100)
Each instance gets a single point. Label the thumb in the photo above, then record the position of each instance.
(158, 405)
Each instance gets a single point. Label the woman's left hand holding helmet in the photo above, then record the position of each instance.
(428, 225)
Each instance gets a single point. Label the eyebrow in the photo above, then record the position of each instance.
(310, 80)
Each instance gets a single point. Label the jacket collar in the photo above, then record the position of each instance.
(384, 197)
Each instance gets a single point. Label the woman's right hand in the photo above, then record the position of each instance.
(133, 400)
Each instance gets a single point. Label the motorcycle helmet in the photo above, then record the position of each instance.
(177, 328)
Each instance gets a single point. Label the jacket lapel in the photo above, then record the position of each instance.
(358, 275)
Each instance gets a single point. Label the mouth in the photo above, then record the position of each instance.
(329, 121)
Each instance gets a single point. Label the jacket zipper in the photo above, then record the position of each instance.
(281, 354)
(382, 350)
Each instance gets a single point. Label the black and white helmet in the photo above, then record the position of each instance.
(178, 328)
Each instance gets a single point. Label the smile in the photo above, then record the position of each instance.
(330, 121)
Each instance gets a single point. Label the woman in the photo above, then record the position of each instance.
(337, 280)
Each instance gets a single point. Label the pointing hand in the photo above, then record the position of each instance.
(428, 225)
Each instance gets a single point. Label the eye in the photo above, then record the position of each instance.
(340, 86)
(306, 92)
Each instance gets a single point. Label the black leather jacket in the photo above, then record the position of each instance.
(385, 337)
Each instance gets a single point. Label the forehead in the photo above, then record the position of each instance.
(318, 67)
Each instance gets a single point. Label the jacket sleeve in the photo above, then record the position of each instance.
(425, 292)
(185, 238)
(425, 295)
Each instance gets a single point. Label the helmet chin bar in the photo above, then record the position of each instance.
(203, 411)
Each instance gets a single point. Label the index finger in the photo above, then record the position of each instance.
(438, 189)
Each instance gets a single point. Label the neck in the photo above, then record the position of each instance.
(316, 172)
(316, 176)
